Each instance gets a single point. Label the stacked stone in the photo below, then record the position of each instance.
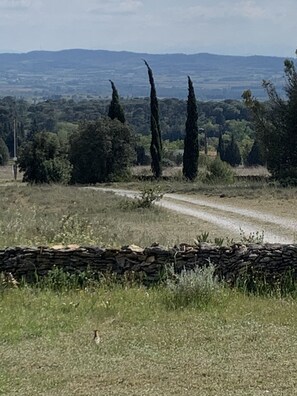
(269, 261)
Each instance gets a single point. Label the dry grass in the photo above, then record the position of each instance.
(33, 215)
(7, 176)
(240, 346)
(42, 215)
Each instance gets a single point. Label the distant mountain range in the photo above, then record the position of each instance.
(86, 73)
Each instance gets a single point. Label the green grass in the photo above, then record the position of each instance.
(237, 345)
(155, 341)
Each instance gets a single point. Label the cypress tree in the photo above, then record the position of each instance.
(256, 156)
(221, 147)
(232, 153)
(115, 108)
(191, 144)
(156, 142)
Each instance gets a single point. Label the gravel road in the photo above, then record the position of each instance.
(276, 229)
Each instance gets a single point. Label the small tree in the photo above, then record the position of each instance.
(256, 156)
(4, 153)
(100, 151)
(276, 126)
(191, 144)
(115, 108)
(156, 142)
(232, 153)
(42, 160)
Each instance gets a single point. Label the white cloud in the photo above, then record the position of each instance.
(116, 7)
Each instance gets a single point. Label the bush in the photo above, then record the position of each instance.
(101, 151)
(42, 160)
(219, 171)
(146, 200)
(197, 287)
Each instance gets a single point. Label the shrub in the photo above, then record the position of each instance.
(148, 196)
(43, 161)
(100, 151)
(219, 171)
(197, 287)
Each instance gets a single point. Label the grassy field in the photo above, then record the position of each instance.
(33, 215)
(42, 215)
(235, 344)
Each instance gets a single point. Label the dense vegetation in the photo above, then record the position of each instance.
(276, 126)
(62, 116)
(225, 127)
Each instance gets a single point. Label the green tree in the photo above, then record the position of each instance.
(191, 144)
(221, 147)
(156, 142)
(100, 151)
(115, 108)
(43, 161)
(276, 126)
(232, 153)
(4, 153)
(255, 156)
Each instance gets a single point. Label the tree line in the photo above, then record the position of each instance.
(270, 127)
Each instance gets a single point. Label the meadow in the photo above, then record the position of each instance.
(230, 343)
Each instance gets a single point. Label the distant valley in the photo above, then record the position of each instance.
(85, 73)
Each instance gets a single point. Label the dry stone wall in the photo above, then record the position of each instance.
(270, 261)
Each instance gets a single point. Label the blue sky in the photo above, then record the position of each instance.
(235, 27)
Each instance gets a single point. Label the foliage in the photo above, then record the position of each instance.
(43, 161)
(232, 153)
(197, 287)
(221, 147)
(191, 144)
(203, 237)
(148, 196)
(252, 237)
(145, 200)
(219, 171)
(276, 126)
(256, 156)
(4, 153)
(72, 228)
(156, 142)
(60, 280)
(115, 108)
(100, 151)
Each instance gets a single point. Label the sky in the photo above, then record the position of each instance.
(233, 27)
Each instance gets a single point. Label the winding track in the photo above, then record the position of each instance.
(276, 229)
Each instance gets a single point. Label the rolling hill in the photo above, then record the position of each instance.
(78, 72)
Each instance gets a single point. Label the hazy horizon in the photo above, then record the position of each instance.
(222, 27)
(138, 52)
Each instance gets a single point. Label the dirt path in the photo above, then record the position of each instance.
(276, 229)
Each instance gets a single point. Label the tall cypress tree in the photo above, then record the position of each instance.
(156, 142)
(232, 153)
(221, 147)
(115, 108)
(191, 144)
